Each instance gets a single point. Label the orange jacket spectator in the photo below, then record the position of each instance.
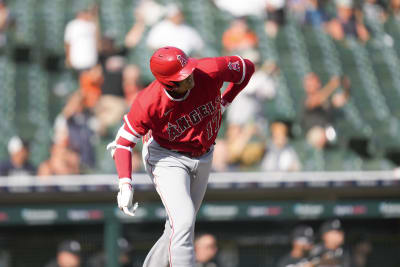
(90, 83)
(239, 37)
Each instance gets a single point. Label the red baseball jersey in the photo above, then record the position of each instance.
(189, 124)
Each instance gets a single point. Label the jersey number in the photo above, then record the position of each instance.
(215, 123)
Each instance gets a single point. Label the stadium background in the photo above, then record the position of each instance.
(36, 214)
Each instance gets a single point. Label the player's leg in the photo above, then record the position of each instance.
(159, 252)
(173, 186)
(172, 182)
(199, 182)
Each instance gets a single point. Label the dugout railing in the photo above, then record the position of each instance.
(241, 197)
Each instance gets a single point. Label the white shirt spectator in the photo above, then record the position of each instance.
(240, 8)
(373, 11)
(276, 4)
(248, 105)
(167, 33)
(281, 159)
(151, 11)
(81, 36)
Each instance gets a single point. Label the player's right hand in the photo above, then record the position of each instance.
(112, 147)
(125, 196)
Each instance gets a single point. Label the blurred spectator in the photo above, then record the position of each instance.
(205, 247)
(319, 155)
(62, 161)
(318, 104)
(302, 243)
(5, 22)
(17, 164)
(276, 16)
(346, 23)
(316, 138)
(360, 252)
(90, 82)
(111, 104)
(331, 252)
(373, 11)
(131, 82)
(314, 14)
(73, 143)
(137, 165)
(124, 259)
(394, 9)
(166, 31)
(296, 9)
(280, 156)
(314, 160)
(135, 34)
(220, 161)
(245, 144)
(80, 123)
(149, 12)
(82, 39)
(238, 37)
(68, 255)
(245, 140)
(240, 8)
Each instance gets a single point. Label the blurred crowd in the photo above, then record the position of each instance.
(328, 246)
(107, 82)
(329, 250)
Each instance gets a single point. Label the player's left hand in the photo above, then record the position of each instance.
(224, 106)
(125, 196)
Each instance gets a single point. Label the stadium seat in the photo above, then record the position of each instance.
(377, 164)
(112, 23)
(7, 103)
(38, 113)
(209, 22)
(341, 159)
(386, 68)
(293, 62)
(392, 27)
(25, 30)
(311, 159)
(52, 20)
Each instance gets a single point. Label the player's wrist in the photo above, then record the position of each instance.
(224, 105)
(125, 181)
(224, 102)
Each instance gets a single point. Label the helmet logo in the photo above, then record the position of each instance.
(234, 66)
(183, 60)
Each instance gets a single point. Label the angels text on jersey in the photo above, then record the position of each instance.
(187, 121)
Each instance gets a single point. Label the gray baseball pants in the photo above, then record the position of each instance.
(181, 183)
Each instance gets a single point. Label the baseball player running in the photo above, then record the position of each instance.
(178, 116)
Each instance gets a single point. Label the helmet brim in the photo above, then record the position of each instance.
(185, 72)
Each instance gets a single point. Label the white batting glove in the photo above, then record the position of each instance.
(125, 196)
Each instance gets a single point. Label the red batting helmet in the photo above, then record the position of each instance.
(170, 64)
